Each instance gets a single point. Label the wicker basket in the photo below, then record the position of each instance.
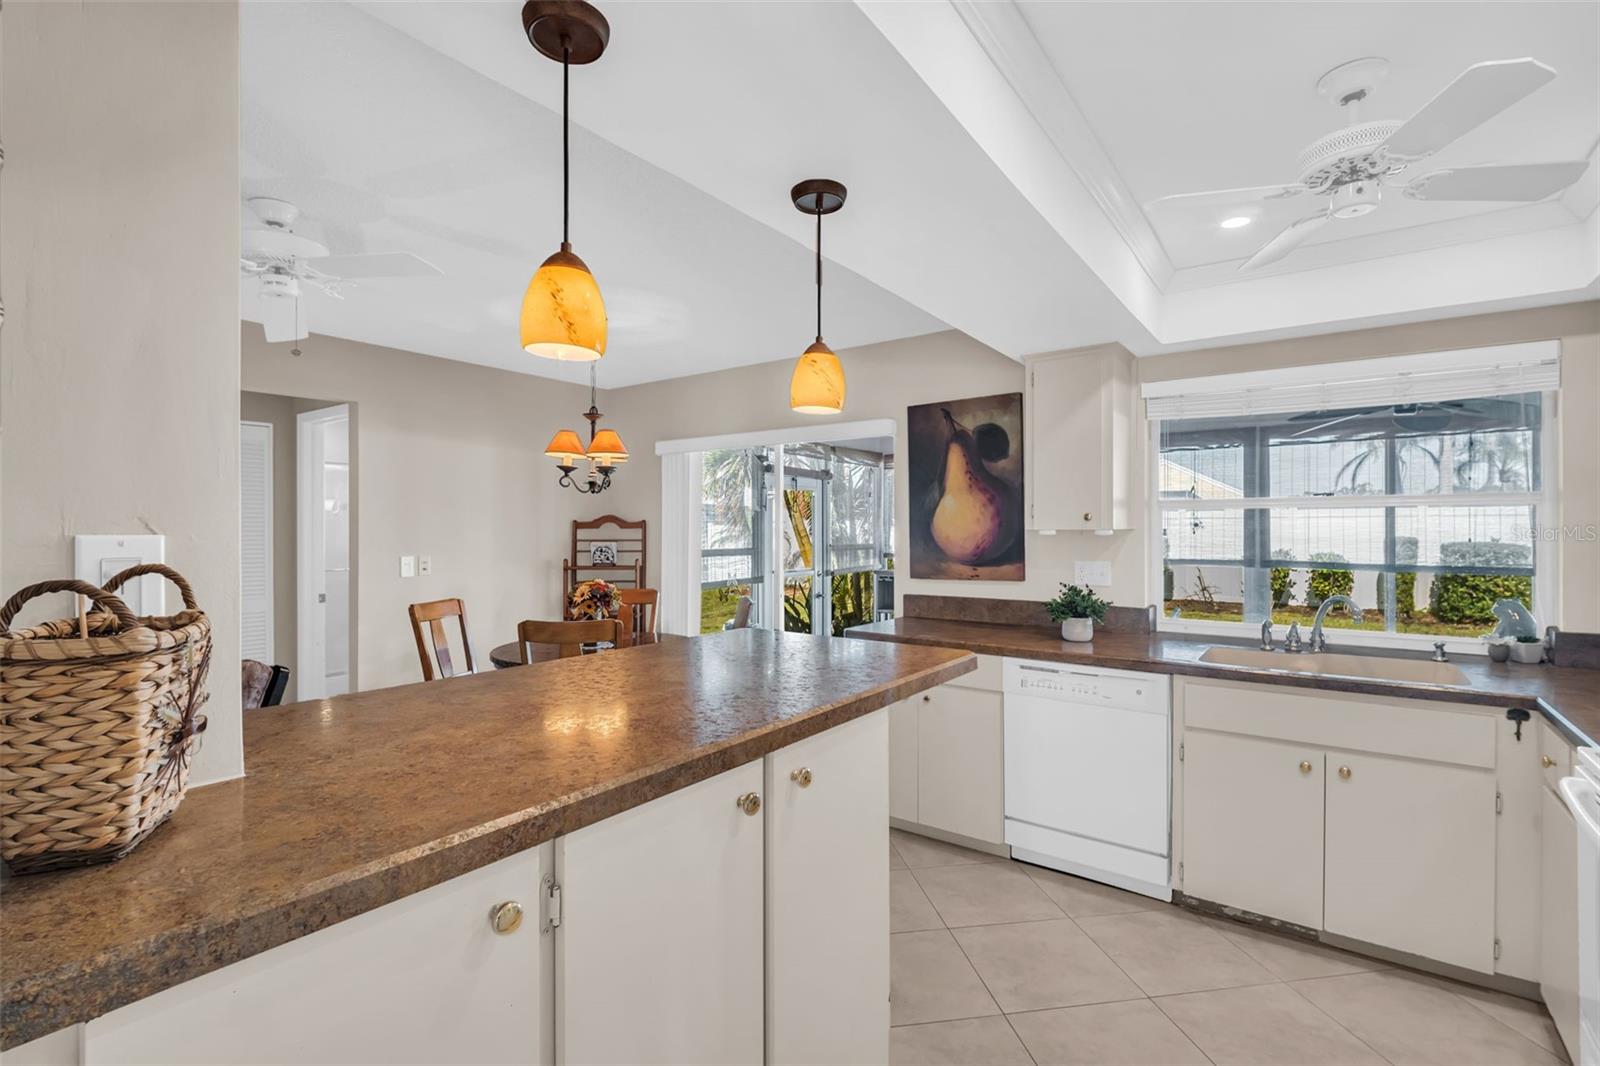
(97, 731)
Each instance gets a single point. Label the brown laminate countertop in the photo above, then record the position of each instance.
(1568, 697)
(355, 801)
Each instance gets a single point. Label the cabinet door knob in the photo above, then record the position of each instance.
(926, 698)
(1087, 517)
(1344, 772)
(749, 803)
(1546, 761)
(506, 918)
(801, 777)
(1305, 766)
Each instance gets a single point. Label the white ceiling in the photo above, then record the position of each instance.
(998, 156)
(1191, 97)
(388, 145)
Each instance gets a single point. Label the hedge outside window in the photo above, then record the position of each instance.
(1425, 513)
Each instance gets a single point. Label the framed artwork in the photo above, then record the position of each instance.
(964, 473)
(603, 553)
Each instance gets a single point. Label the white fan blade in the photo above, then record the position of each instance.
(374, 265)
(1517, 182)
(1227, 197)
(1286, 241)
(1478, 94)
(280, 320)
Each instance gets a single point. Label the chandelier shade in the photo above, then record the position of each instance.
(608, 448)
(565, 446)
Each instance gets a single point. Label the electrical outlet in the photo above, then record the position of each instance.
(1096, 574)
(408, 566)
(424, 564)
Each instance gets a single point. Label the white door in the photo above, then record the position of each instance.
(255, 542)
(1410, 857)
(324, 552)
(827, 969)
(961, 763)
(424, 979)
(903, 759)
(659, 951)
(1066, 454)
(1252, 825)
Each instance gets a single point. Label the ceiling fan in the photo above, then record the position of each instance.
(281, 260)
(1351, 167)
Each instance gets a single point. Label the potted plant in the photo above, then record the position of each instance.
(1077, 609)
(1528, 650)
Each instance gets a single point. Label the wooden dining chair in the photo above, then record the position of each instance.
(638, 611)
(434, 612)
(569, 637)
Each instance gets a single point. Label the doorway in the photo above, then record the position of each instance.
(323, 551)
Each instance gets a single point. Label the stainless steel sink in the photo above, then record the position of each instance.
(1339, 664)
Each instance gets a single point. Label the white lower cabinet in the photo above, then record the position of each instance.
(961, 763)
(903, 759)
(827, 960)
(1252, 817)
(1558, 941)
(658, 954)
(1410, 857)
(424, 979)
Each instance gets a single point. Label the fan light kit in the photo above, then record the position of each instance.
(817, 386)
(563, 314)
(1353, 166)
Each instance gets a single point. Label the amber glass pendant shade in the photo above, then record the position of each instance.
(608, 448)
(565, 446)
(563, 314)
(817, 387)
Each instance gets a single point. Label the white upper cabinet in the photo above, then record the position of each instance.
(1080, 423)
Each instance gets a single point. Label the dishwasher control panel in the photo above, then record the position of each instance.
(1094, 686)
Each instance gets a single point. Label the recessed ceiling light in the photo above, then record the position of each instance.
(1235, 222)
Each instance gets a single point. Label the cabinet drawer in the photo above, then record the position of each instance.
(1439, 732)
(1555, 754)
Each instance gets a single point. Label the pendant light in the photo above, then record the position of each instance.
(817, 387)
(605, 451)
(563, 315)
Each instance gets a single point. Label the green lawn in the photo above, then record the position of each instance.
(1421, 622)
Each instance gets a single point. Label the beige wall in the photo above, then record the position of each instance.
(886, 378)
(450, 464)
(279, 412)
(120, 385)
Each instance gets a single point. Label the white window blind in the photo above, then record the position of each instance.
(1430, 377)
(255, 541)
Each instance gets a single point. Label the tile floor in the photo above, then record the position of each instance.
(999, 962)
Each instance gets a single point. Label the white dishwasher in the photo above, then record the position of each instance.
(1088, 772)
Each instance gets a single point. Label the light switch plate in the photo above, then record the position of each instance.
(424, 564)
(1097, 573)
(408, 566)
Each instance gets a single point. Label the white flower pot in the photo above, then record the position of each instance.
(1077, 629)
(1527, 653)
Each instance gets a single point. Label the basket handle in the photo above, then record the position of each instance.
(167, 572)
(102, 598)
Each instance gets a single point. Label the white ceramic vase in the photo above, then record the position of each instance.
(1527, 653)
(1077, 629)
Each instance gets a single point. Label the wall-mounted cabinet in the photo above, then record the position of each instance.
(1080, 423)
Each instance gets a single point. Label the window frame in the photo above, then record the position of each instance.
(1546, 553)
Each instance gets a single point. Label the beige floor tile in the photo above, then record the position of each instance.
(1083, 899)
(985, 894)
(1291, 959)
(1408, 1018)
(895, 861)
(963, 1043)
(1168, 952)
(1134, 1033)
(1529, 1019)
(1036, 965)
(1264, 1023)
(930, 980)
(909, 909)
(918, 851)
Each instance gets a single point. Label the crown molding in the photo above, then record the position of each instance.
(1002, 31)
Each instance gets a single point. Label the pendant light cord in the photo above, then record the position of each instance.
(566, 154)
(819, 268)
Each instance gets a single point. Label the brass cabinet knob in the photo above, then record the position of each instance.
(801, 777)
(1344, 772)
(1087, 517)
(1305, 766)
(1546, 761)
(506, 918)
(749, 803)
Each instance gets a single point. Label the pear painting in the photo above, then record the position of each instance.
(965, 478)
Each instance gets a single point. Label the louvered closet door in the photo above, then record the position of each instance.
(255, 541)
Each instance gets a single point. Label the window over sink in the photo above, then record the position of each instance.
(1423, 493)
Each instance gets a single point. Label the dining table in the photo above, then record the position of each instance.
(510, 654)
